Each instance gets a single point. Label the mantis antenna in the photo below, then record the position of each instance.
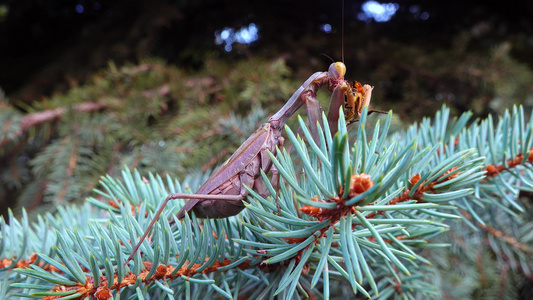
(342, 32)
(342, 38)
(324, 54)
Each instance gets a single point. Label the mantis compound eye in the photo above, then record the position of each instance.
(337, 70)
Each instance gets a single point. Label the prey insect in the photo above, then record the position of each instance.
(222, 195)
(353, 103)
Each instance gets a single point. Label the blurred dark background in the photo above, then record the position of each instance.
(48, 46)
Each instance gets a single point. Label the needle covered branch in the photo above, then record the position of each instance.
(369, 209)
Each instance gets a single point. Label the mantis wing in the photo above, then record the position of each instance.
(232, 167)
(238, 161)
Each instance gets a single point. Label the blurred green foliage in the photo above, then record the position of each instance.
(151, 116)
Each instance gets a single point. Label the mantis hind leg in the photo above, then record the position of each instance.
(196, 199)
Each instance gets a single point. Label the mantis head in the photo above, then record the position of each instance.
(336, 73)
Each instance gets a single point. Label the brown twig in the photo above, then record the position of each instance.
(163, 272)
(4, 263)
(41, 117)
(494, 170)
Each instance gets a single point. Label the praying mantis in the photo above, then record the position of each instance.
(222, 195)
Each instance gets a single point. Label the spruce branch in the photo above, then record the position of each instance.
(363, 212)
(37, 118)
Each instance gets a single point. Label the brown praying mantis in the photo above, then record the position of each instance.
(222, 195)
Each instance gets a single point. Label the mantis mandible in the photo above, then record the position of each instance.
(222, 195)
